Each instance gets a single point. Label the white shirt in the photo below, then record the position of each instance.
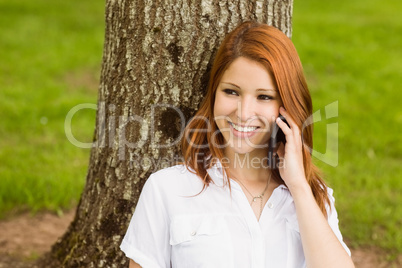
(170, 228)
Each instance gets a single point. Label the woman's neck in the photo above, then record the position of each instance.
(250, 166)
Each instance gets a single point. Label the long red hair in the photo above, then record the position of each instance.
(276, 52)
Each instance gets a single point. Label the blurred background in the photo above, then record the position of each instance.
(50, 60)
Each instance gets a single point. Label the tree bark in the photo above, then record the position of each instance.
(156, 60)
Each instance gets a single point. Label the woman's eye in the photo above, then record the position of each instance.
(230, 92)
(265, 97)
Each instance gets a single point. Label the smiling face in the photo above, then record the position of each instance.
(246, 105)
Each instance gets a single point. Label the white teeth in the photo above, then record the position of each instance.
(242, 129)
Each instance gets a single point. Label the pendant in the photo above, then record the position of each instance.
(255, 198)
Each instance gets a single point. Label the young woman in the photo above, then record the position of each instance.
(228, 205)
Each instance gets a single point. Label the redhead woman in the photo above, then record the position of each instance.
(231, 203)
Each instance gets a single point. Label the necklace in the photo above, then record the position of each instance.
(261, 196)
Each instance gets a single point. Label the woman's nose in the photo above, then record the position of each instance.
(245, 109)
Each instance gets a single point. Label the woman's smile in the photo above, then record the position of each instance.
(242, 131)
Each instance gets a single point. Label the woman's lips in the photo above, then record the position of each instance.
(242, 131)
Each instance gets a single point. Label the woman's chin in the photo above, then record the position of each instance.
(243, 150)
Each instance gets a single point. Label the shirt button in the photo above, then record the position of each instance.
(270, 205)
(193, 233)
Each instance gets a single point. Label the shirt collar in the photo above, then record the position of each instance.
(217, 174)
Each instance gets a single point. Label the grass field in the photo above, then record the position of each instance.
(50, 61)
(50, 54)
(351, 54)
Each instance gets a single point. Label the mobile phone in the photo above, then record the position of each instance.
(277, 136)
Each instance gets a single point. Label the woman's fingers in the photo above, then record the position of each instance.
(292, 133)
(286, 130)
(289, 119)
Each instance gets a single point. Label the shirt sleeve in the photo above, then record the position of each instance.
(334, 222)
(147, 237)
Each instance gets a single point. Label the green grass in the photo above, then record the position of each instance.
(51, 54)
(351, 54)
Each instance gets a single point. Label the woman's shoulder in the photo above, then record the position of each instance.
(173, 172)
(287, 202)
(178, 176)
(288, 195)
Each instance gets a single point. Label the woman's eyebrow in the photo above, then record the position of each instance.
(264, 89)
(259, 89)
(231, 84)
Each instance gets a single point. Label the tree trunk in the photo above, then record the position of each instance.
(156, 61)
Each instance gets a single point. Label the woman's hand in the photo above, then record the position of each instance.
(320, 245)
(290, 155)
